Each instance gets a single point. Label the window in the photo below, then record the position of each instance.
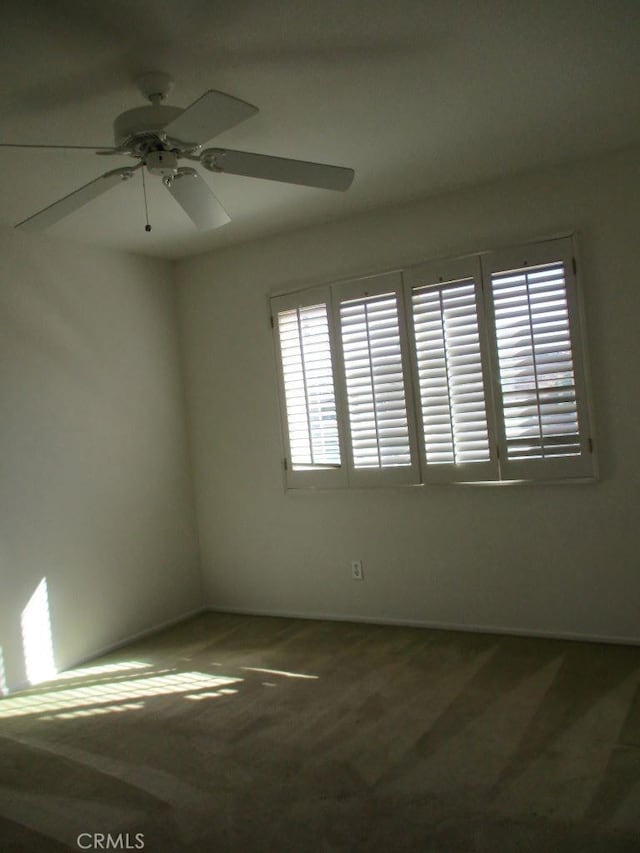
(451, 371)
(307, 389)
(379, 429)
(464, 370)
(541, 397)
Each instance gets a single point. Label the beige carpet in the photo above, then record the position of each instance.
(233, 733)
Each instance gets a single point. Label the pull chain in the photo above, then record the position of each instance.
(147, 227)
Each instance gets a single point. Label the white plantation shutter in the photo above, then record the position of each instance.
(462, 370)
(375, 387)
(536, 365)
(543, 416)
(307, 386)
(450, 372)
(380, 417)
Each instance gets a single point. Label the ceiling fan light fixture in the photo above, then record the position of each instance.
(163, 163)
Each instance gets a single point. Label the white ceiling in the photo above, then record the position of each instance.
(418, 96)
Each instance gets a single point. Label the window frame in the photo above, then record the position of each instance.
(479, 267)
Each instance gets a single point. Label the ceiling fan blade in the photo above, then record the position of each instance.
(75, 200)
(97, 148)
(212, 113)
(277, 169)
(197, 200)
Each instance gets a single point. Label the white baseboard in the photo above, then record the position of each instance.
(15, 688)
(343, 617)
(139, 635)
(437, 626)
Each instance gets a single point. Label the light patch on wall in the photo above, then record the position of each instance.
(4, 690)
(37, 642)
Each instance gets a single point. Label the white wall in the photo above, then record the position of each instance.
(95, 491)
(561, 559)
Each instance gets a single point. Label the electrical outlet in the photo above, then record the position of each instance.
(357, 572)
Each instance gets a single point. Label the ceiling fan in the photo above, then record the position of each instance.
(159, 136)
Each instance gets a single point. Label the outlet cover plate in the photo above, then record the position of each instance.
(357, 572)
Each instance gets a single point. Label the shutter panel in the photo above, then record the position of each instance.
(451, 375)
(541, 385)
(307, 389)
(375, 386)
(381, 432)
(308, 386)
(536, 365)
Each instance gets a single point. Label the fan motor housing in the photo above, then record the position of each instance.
(143, 120)
(163, 163)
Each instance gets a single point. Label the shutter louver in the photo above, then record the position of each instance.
(450, 373)
(535, 360)
(375, 382)
(308, 386)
